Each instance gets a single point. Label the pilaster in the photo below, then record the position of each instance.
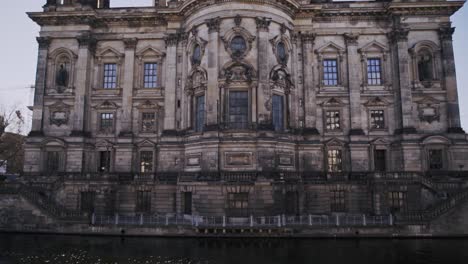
(263, 113)
(212, 94)
(309, 100)
(127, 93)
(171, 82)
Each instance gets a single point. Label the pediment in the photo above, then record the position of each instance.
(374, 47)
(334, 142)
(428, 101)
(109, 52)
(376, 101)
(63, 51)
(146, 143)
(380, 141)
(150, 51)
(148, 105)
(104, 144)
(331, 47)
(53, 142)
(436, 140)
(333, 102)
(107, 105)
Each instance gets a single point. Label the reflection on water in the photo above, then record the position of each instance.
(91, 250)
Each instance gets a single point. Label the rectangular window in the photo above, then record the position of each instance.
(330, 72)
(104, 161)
(333, 121)
(377, 119)
(335, 160)
(87, 202)
(146, 161)
(291, 203)
(110, 76)
(436, 159)
(238, 110)
(53, 161)
(151, 75)
(143, 202)
(380, 160)
(187, 203)
(397, 201)
(148, 122)
(107, 122)
(199, 113)
(374, 72)
(278, 112)
(337, 201)
(238, 204)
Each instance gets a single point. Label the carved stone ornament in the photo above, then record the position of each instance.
(238, 72)
(281, 46)
(238, 42)
(429, 110)
(59, 113)
(263, 23)
(196, 81)
(280, 78)
(196, 49)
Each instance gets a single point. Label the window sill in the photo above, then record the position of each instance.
(103, 91)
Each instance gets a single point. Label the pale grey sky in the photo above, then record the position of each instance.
(19, 47)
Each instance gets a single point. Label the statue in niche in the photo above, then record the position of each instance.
(62, 76)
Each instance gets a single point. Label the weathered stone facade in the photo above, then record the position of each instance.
(247, 107)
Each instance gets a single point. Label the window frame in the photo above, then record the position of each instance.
(329, 165)
(397, 203)
(384, 117)
(140, 160)
(109, 130)
(381, 78)
(338, 201)
(325, 119)
(234, 199)
(199, 127)
(228, 107)
(143, 201)
(108, 56)
(336, 81)
(141, 123)
(282, 111)
(157, 82)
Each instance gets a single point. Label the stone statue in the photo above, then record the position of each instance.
(62, 76)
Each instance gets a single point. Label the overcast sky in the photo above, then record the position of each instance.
(19, 48)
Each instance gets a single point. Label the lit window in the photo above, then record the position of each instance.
(335, 160)
(377, 119)
(146, 161)
(110, 76)
(333, 121)
(338, 201)
(397, 201)
(200, 113)
(238, 110)
(330, 72)
(278, 112)
(436, 159)
(107, 122)
(148, 122)
(151, 75)
(143, 202)
(374, 72)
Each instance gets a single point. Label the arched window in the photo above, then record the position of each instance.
(62, 75)
(281, 52)
(196, 56)
(238, 46)
(425, 66)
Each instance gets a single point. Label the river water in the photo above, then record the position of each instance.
(115, 250)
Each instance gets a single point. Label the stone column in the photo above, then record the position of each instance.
(87, 45)
(171, 82)
(38, 109)
(399, 39)
(450, 80)
(127, 93)
(354, 84)
(212, 92)
(263, 90)
(309, 101)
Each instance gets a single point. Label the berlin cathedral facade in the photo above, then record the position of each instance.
(242, 108)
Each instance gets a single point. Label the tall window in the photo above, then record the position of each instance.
(148, 122)
(380, 160)
(330, 72)
(374, 72)
(377, 119)
(291, 203)
(238, 110)
(238, 204)
(199, 113)
(146, 161)
(110, 76)
(436, 159)
(104, 161)
(143, 202)
(425, 71)
(107, 122)
(151, 75)
(337, 201)
(53, 161)
(397, 201)
(187, 203)
(87, 202)
(278, 112)
(333, 121)
(335, 160)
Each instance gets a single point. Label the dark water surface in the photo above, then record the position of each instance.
(90, 250)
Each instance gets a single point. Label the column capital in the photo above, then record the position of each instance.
(87, 41)
(213, 24)
(43, 42)
(172, 39)
(399, 34)
(446, 33)
(130, 43)
(308, 37)
(263, 23)
(351, 39)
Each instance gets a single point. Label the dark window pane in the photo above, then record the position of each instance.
(337, 201)
(53, 161)
(146, 161)
(148, 122)
(278, 112)
(374, 72)
(425, 66)
(238, 204)
(380, 160)
(143, 202)
(436, 159)
(151, 75)
(199, 113)
(104, 161)
(238, 110)
(87, 202)
(397, 201)
(238, 46)
(377, 119)
(196, 56)
(333, 121)
(281, 52)
(110, 76)
(187, 203)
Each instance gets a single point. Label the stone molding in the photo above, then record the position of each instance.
(172, 39)
(446, 33)
(130, 43)
(87, 41)
(263, 23)
(399, 34)
(213, 24)
(351, 39)
(43, 42)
